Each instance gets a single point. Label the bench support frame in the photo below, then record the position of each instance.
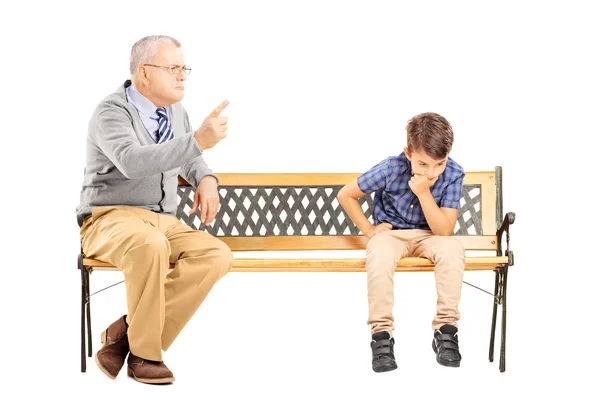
(86, 316)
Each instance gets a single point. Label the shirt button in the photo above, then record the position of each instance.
(412, 205)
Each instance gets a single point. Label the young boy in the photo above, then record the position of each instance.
(415, 209)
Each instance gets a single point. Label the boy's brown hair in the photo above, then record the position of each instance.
(431, 133)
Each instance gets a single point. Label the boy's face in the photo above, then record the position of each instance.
(422, 164)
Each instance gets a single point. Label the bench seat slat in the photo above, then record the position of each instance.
(330, 264)
(292, 243)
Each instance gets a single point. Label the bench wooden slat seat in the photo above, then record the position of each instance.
(409, 264)
(279, 212)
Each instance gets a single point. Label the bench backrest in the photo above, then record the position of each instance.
(300, 211)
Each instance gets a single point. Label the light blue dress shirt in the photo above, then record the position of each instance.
(146, 109)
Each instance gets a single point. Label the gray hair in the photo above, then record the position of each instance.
(144, 50)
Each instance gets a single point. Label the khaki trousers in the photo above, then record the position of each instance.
(385, 249)
(142, 243)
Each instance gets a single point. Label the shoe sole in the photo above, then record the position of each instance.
(453, 364)
(102, 368)
(387, 369)
(102, 340)
(150, 381)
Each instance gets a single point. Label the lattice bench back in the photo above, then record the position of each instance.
(301, 212)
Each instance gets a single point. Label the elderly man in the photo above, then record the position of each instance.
(139, 140)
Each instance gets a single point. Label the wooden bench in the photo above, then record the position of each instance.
(300, 212)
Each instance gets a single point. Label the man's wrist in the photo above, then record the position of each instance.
(201, 145)
(209, 176)
(199, 142)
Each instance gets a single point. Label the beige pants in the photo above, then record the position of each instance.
(142, 243)
(385, 249)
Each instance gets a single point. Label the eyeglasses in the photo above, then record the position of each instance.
(174, 69)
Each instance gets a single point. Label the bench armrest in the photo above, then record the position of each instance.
(509, 219)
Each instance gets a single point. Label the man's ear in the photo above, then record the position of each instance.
(142, 73)
(408, 155)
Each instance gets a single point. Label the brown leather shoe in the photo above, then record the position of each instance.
(115, 347)
(147, 371)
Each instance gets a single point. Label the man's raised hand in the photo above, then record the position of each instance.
(213, 128)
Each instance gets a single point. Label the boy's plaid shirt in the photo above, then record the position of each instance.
(396, 204)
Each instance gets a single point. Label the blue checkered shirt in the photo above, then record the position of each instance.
(396, 204)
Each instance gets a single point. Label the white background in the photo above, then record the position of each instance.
(314, 86)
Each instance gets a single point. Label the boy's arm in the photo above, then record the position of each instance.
(441, 220)
(348, 197)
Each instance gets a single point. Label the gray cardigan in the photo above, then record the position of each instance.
(124, 166)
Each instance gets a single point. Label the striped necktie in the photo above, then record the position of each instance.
(165, 133)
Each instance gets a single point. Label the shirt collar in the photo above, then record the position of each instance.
(141, 103)
(406, 162)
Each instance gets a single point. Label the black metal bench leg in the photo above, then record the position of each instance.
(494, 314)
(84, 280)
(503, 338)
(89, 315)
